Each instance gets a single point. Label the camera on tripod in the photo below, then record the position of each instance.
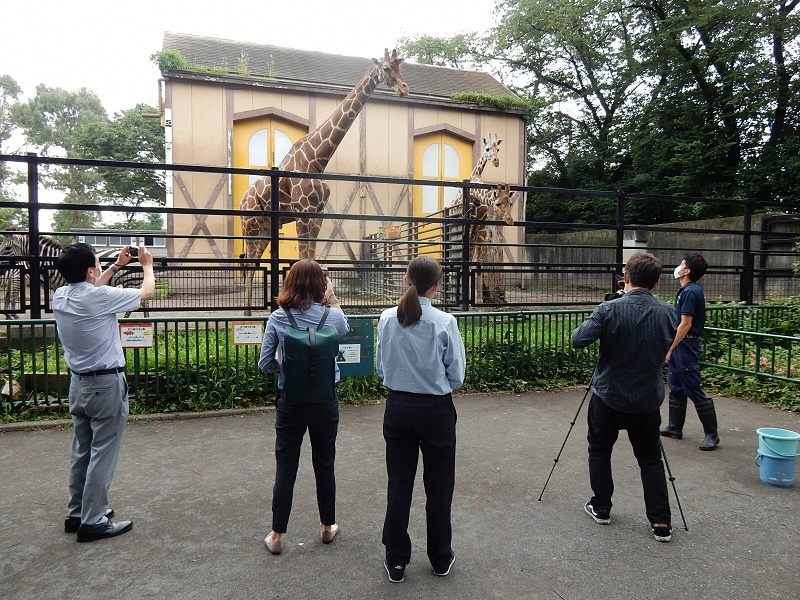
(619, 281)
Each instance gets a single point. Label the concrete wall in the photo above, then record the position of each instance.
(590, 255)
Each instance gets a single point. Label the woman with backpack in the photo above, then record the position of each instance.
(421, 360)
(307, 302)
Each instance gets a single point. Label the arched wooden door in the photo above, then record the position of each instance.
(262, 143)
(437, 156)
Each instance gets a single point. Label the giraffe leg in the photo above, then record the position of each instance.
(314, 225)
(256, 199)
(255, 249)
(307, 231)
(312, 196)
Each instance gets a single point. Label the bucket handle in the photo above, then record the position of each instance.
(771, 449)
(758, 459)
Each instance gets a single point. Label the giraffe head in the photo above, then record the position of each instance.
(491, 149)
(503, 203)
(389, 72)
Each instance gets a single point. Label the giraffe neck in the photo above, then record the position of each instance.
(477, 172)
(312, 153)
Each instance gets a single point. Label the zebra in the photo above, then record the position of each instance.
(16, 245)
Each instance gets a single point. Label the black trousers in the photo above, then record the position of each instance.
(291, 421)
(414, 422)
(605, 424)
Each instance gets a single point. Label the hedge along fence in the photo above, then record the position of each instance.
(194, 365)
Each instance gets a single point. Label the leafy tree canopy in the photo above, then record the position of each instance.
(9, 96)
(697, 99)
(130, 136)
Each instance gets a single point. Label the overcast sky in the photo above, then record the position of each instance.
(105, 46)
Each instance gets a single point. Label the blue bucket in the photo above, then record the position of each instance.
(778, 443)
(776, 470)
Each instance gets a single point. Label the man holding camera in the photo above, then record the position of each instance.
(86, 318)
(635, 333)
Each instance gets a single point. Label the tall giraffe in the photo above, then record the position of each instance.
(491, 151)
(484, 240)
(311, 155)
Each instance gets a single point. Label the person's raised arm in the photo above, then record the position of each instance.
(149, 281)
(123, 258)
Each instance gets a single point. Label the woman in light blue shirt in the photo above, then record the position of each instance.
(421, 360)
(306, 292)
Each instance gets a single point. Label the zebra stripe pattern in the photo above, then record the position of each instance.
(16, 245)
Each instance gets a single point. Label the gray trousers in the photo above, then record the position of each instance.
(99, 409)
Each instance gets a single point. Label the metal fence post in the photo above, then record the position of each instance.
(620, 227)
(33, 236)
(465, 247)
(274, 245)
(748, 272)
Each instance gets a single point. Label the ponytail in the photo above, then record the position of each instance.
(422, 273)
(409, 310)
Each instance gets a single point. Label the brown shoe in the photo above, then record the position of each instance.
(273, 545)
(327, 535)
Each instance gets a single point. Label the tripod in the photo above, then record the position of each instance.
(572, 424)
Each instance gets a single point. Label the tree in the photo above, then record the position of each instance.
(725, 80)
(9, 95)
(691, 97)
(51, 121)
(130, 136)
(459, 52)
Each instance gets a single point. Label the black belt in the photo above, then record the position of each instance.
(692, 336)
(101, 372)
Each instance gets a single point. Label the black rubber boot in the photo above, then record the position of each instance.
(708, 417)
(677, 416)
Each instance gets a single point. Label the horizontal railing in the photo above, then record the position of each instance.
(757, 354)
(193, 363)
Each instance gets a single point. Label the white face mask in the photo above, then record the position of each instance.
(677, 272)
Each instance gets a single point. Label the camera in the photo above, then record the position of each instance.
(619, 281)
(133, 251)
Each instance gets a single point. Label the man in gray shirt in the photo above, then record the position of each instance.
(86, 318)
(635, 333)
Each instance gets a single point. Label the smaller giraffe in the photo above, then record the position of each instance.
(491, 151)
(484, 240)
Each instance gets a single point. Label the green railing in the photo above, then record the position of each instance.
(758, 354)
(193, 363)
(763, 318)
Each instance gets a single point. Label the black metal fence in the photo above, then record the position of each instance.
(194, 362)
(551, 265)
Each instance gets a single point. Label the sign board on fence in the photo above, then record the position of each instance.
(136, 335)
(247, 332)
(357, 349)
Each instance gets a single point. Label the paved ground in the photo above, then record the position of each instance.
(198, 491)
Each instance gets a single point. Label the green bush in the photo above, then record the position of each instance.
(170, 60)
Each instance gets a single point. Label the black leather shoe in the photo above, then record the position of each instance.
(71, 524)
(90, 533)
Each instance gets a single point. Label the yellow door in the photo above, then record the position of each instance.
(262, 143)
(437, 156)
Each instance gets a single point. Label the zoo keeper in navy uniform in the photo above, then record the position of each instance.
(86, 319)
(684, 378)
(421, 360)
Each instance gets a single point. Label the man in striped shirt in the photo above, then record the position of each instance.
(635, 333)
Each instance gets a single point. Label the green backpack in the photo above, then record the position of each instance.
(309, 361)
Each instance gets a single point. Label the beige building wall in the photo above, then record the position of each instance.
(379, 143)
